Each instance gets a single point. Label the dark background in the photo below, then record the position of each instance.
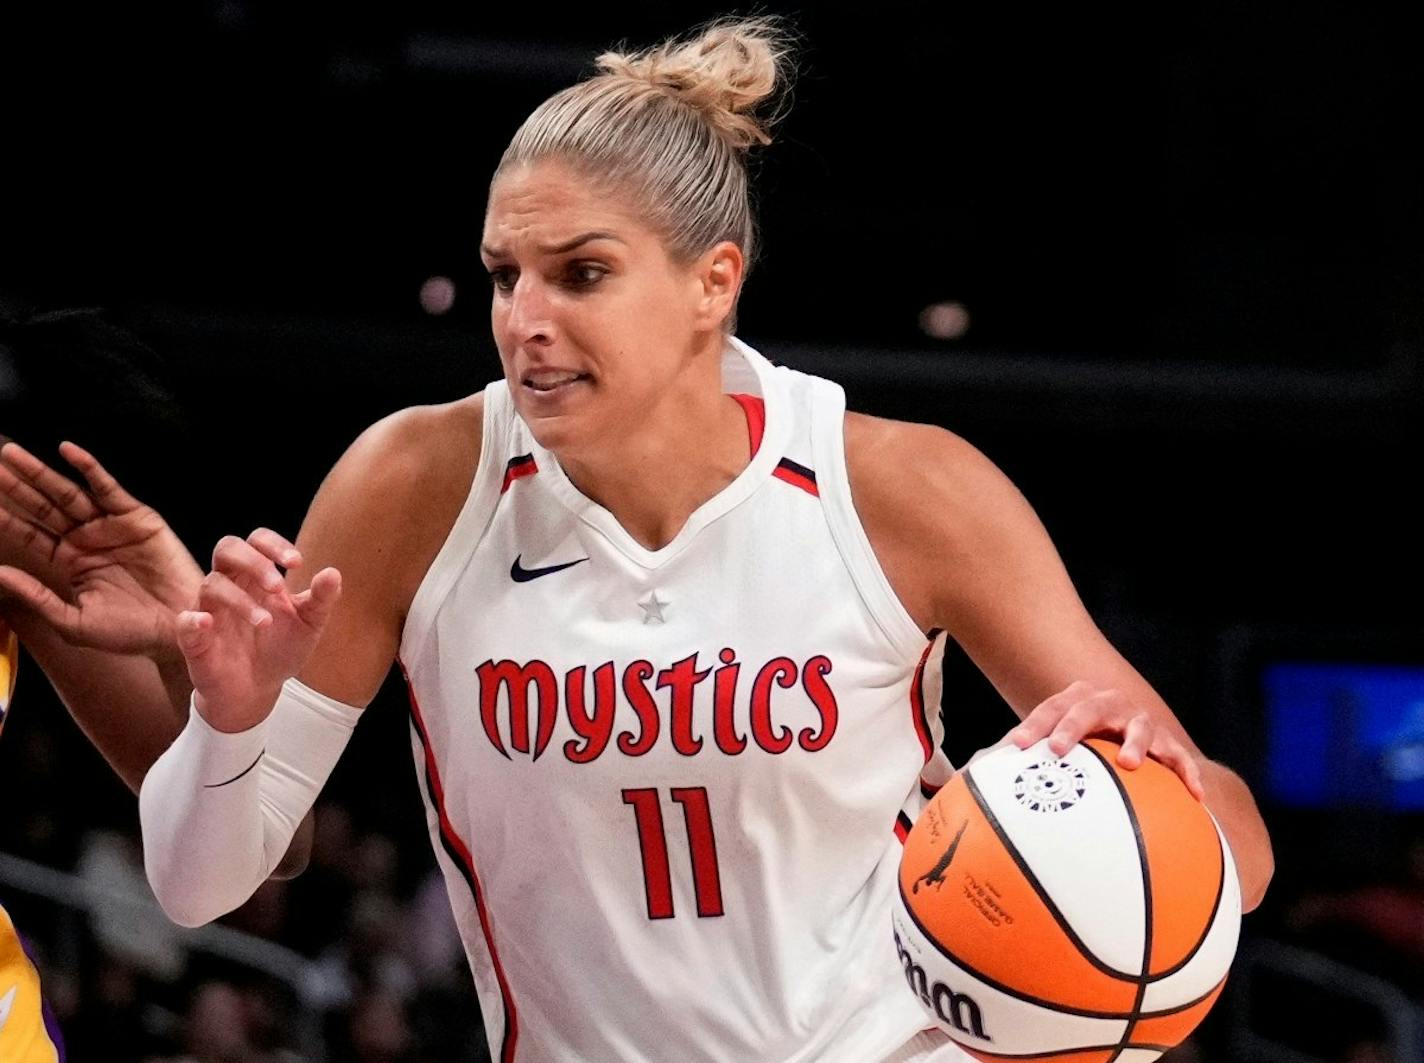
(1191, 245)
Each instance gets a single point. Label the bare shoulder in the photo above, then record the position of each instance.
(939, 514)
(389, 502)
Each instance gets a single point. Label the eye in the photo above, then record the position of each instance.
(503, 278)
(584, 274)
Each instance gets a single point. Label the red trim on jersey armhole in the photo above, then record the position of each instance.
(917, 704)
(519, 467)
(755, 409)
(902, 827)
(457, 849)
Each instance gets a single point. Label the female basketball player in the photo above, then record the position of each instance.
(669, 618)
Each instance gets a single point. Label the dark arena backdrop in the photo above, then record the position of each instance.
(1166, 267)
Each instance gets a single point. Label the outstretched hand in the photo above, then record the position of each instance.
(125, 572)
(1082, 710)
(249, 632)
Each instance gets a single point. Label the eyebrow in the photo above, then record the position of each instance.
(558, 249)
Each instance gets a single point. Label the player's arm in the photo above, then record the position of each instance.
(967, 554)
(282, 667)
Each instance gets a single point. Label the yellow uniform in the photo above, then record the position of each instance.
(27, 1033)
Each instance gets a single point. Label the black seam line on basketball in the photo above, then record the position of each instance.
(1146, 902)
(244, 771)
(506, 1052)
(799, 470)
(994, 983)
(1211, 919)
(1058, 917)
(1177, 1008)
(1060, 1052)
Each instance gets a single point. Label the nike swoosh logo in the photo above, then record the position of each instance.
(520, 574)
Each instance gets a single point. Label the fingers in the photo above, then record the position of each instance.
(252, 562)
(1167, 750)
(1082, 710)
(1103, 710)
(51, 499)
(34, 540)
(275, 547)
(1136, 741)
(195, 633)
(103, 488)
(1039, 724)
(241, 562)
(39, 599)
(222, 597)
(315, 604)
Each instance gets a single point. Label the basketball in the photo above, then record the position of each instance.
(1066, 908)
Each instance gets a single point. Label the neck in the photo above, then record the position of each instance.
(685, 450)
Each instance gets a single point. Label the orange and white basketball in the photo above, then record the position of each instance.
(1065, 908)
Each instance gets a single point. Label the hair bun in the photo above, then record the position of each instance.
(729, 70)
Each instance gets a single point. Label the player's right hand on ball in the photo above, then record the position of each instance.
(250, 633)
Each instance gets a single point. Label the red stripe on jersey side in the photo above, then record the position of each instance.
(523, 465)
(917, 704)
(797, 476)
(459, 852)
(902, 827)
(755, 409)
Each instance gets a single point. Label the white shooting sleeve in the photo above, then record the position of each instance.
(219, 810)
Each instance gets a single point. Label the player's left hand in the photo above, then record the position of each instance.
(1083, 710)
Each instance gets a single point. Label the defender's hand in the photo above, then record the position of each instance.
(121, 572)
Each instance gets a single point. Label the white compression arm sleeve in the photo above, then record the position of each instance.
(218, 810)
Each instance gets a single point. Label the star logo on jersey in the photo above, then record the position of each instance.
(520, 574)
(653, 607)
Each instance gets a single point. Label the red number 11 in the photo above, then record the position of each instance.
(652, 840)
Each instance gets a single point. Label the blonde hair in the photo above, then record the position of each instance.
(672, 126)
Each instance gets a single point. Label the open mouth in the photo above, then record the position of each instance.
(546, 381)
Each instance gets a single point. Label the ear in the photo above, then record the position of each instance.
(719, 279)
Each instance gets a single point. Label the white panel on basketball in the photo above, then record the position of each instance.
(1011, 1025)
(1108, 913)
(1210, 962)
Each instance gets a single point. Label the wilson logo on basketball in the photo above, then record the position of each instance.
(957, 1009)
(532, 694)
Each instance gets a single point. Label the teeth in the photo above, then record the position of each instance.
(548, 380)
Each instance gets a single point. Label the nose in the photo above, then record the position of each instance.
(530, 315)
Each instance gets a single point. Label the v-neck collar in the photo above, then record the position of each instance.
(743, 370)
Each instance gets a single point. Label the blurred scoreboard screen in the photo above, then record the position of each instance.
(1344, 734)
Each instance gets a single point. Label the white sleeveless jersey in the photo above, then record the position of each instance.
(667, 788)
